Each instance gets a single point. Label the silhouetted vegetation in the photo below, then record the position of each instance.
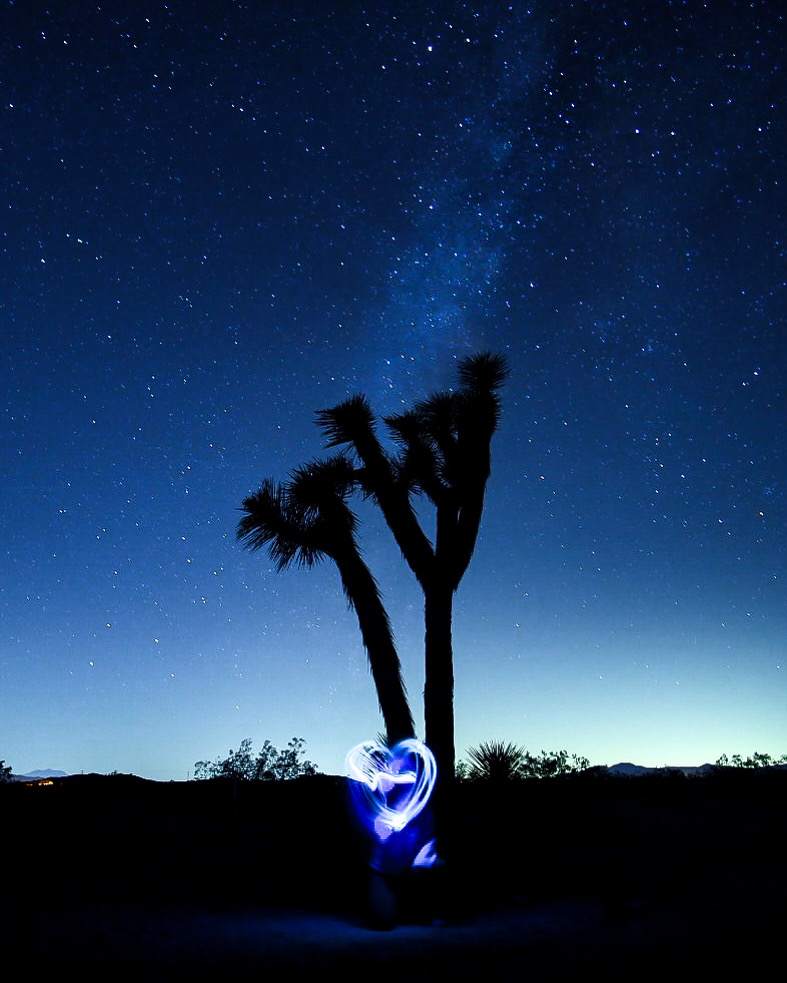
(549, 764)
(494, 761)
(755, 760)
(268, 764)
(5, 771)
(498, 762)
(444, 453)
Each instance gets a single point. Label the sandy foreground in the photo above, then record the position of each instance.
(562, 939)
(662, 878)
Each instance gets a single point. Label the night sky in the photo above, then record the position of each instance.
(219, 218)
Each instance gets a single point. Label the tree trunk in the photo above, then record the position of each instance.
(363, 594)
(439, 683)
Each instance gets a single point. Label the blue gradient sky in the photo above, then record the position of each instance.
(218, 219)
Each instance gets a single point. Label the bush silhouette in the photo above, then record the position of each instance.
(755, 760)
(498, 762)
(269, 764)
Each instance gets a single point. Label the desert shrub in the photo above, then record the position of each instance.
(498, 761)
(495, 761)
(462, 771)
(756, 760)
(549, 764)
(268, 764)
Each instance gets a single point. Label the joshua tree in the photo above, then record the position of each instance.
(308, 519)
(444, 452)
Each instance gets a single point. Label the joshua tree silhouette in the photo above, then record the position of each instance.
(444, 452)
(307, 519)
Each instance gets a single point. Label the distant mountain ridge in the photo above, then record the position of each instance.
(32, 776)
(628, 769)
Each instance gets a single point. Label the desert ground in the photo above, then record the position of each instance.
(549, 879)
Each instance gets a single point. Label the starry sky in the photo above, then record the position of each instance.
(218, 218)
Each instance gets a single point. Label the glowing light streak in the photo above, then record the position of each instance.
(382, 772)
(426, 856)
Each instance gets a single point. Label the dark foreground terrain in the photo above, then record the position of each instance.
(621, 878)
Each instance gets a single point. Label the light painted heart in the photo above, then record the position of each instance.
(396, 782)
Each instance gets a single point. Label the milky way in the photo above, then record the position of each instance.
(219, 218)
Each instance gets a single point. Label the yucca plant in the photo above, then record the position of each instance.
(496, 761)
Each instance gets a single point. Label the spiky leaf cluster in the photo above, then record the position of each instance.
(496, 761)
(306, 518)
(443, 452)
